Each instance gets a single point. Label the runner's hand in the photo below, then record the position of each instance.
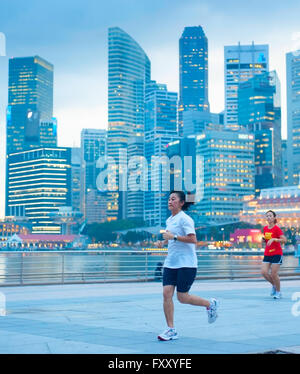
(270, 241)
(168, 235)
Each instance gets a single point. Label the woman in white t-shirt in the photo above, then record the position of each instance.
(180, 266)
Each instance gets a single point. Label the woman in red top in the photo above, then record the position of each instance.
(273, 237)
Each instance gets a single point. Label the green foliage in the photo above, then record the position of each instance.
(108, 231)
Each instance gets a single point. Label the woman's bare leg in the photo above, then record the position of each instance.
(275, 276)
(168, 292)
(265, 268)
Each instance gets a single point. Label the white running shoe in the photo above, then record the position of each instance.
(212, 310)
(168, 334)
(273, 292)
(277, 295)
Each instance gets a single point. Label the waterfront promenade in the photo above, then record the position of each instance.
(125, 318)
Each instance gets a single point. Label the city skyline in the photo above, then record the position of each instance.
(75, 77)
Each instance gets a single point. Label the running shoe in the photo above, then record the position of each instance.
(277, 295)
(273, 292)
(168, 334)
(212, 310)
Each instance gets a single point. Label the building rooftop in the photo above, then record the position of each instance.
(122, 318)
(46, 237)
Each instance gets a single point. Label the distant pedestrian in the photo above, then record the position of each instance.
(180, 266)
(158, 272)
(273, 238)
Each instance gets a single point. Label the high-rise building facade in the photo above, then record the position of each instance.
(193, 72)
(38, 183)
(48, 133)
(128, 74)
(293, 116)
(136, 179)
(76, 178)
(30, 100)
(93, 146)
(241, 63)
(259, 111)
(285, 172)
(160, 130)
(228, 175)
(183, 170)
(196, 121)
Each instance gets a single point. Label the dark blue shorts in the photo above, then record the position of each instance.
(182, 278)
(275, 259)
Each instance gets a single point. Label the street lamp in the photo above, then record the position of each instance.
(222, 229)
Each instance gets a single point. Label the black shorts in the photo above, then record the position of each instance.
(182, 278)
(275, 259)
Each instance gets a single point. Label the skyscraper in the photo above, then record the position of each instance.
(228, 175)
(93, 146)
(259, 111)
(160, 129)
(38, 183)
(293, 116)
(128, 74)
(136, 177)
(241, 63)
(75, 178)
(48, 133)
(30, 100)
(193, 72)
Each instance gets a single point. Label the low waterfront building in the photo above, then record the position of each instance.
(45, 241)
(284, 201)
(246, 236)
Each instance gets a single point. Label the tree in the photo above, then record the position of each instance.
(108, 231)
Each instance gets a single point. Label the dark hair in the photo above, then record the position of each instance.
(184, 198)
(274, 214)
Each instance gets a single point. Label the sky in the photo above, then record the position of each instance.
(72, 35)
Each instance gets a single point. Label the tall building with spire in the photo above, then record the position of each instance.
(128, 74)
(193, 72)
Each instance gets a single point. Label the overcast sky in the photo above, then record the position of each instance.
(72, 35)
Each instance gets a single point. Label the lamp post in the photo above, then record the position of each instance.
(222, 229)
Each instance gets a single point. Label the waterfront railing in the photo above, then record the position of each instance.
(99, 266)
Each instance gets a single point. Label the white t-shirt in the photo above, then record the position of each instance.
(180, 254)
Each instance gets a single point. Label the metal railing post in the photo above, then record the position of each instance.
(231, 266)
(146, 264)
(21, 272)
(104, 267)
(63, 268)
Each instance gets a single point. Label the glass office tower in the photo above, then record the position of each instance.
(30, 100)
(260, 112)
(93, 201)
(293, 116)
(160, 130)
(128, 73)
(38, 183)
(193, 72)
(228, 175)
(241, 63)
